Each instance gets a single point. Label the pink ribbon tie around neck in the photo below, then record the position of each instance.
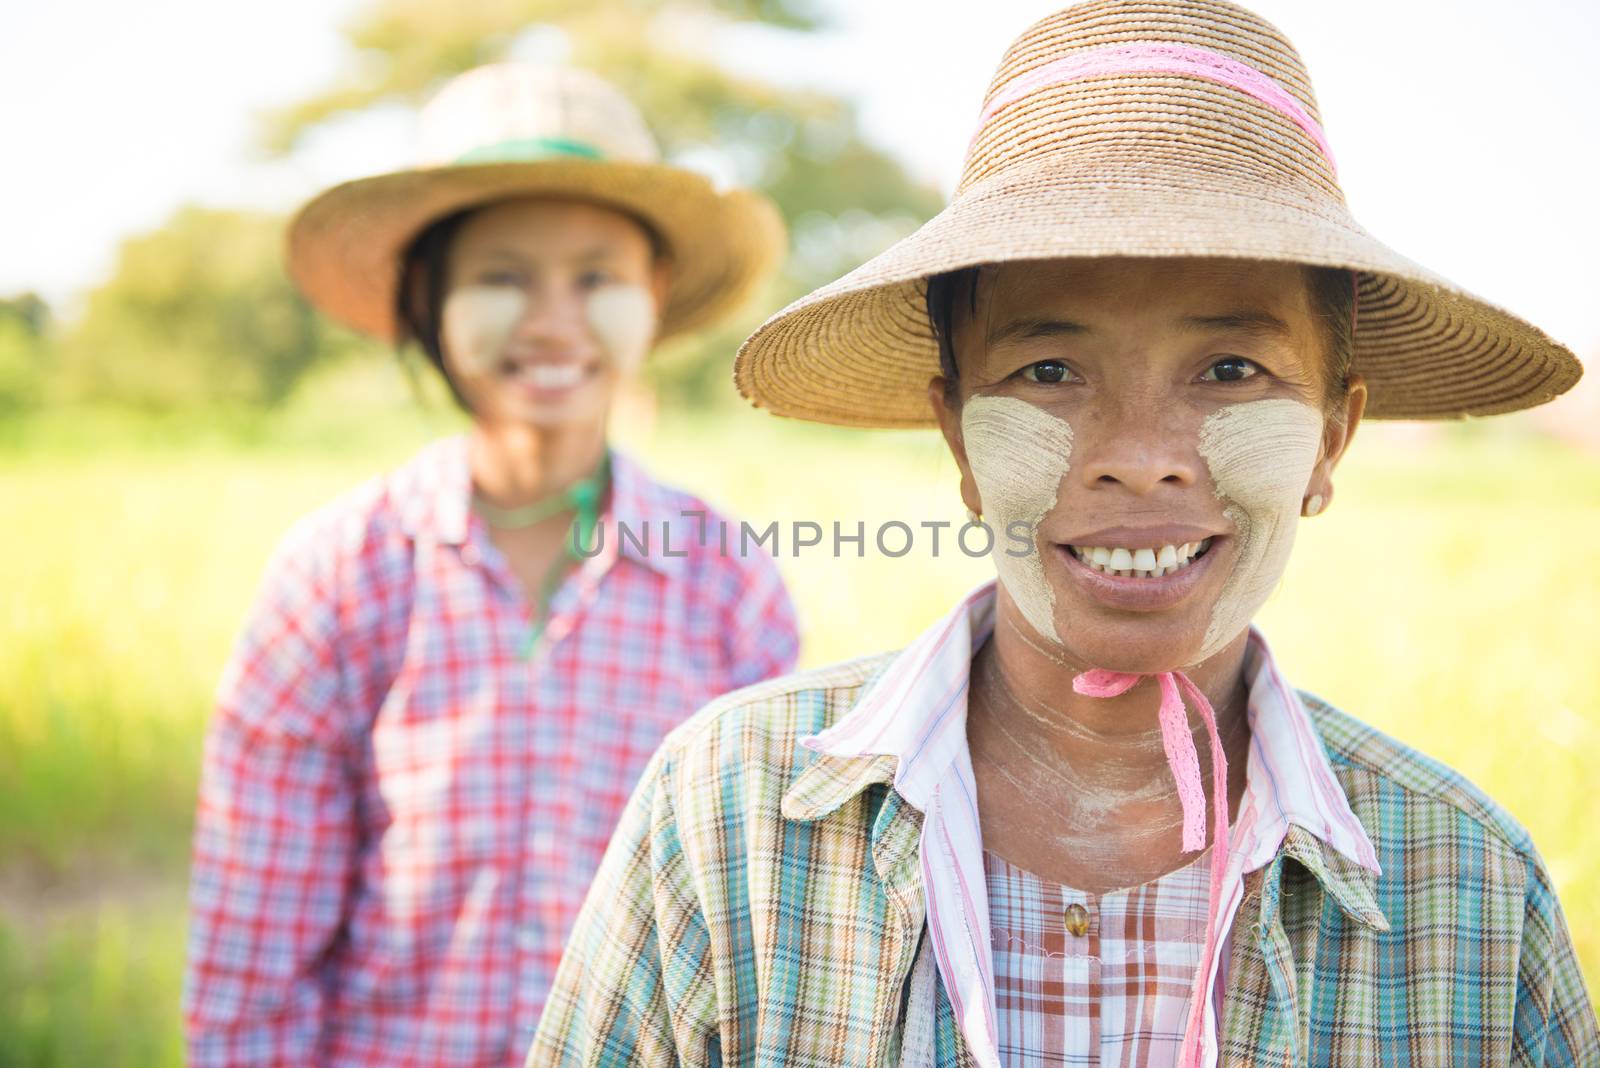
(1185, 765)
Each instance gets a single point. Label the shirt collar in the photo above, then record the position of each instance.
(914, 712)
(432, 491)
(660, 534)
(433, 495)
(909, 724)
(1289, 778)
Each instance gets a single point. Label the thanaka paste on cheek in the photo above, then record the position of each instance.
(477, 324)
(623, 318)
(1261, 455)
(1019, 454)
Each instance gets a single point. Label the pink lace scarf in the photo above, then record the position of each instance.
(1185, 765)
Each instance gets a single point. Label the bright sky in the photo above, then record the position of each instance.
(1467, 136)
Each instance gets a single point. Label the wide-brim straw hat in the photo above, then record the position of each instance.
(1170, 128)
(518, 130)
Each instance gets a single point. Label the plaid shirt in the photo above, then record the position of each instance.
(763, 903)
(1094, 979)
(401, 810)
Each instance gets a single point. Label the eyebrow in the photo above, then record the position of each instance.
(1024, 329)
(589, 255)
(1258, 323)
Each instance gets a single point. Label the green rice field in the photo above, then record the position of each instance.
(1451, 596)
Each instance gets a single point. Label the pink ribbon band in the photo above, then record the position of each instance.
(1162, 58)
(1185, 765)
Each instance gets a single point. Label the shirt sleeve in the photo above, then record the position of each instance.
(275, 831)
(762, 635)
(634, 986)
(1555, 1020)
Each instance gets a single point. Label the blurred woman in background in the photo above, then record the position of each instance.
(453, 674)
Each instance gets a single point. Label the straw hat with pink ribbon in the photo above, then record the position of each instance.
(1172, 128)
(515, 130)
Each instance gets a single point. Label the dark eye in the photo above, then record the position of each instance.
(594, 279)
(500, 278)
(1230, 369)
(1047, 372)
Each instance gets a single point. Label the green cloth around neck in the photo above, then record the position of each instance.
(583, 497)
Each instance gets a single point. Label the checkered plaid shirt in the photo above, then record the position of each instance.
(1094, 979)
(401, 808)
(763, 903)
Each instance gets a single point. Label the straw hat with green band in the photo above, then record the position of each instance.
(1148, 128)
(515, 130)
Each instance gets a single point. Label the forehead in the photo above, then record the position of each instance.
(545, 227)
(1134, 294)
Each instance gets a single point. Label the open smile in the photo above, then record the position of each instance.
(1139, 578)
(1141, 563)
(547, 381)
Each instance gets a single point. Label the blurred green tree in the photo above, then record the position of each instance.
(24, 351)
(844, 199)
(197, 312)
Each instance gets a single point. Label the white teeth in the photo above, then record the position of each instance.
(1141, 563)
(553, 376)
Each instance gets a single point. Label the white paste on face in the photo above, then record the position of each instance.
(477, 323)
(623, 318)
(1261, 455)
(1018, 453)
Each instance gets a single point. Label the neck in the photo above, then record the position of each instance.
(515, 464)
(1024, 702)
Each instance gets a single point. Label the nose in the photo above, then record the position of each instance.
(1139, 446)
(554, 316)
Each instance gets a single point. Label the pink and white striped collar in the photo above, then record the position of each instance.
(915, 711)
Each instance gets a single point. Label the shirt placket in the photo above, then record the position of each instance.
(1073, 917)
(573, 596)
(515, 789)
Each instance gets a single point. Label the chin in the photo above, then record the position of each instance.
(1151, 661)
(1140, 646)
(574, 413)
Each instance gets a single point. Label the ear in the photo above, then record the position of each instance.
(1336, 437)
(944, 398)
(661, 283)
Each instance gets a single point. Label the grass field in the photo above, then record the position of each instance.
(1451, 597)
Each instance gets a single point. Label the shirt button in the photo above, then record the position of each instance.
(1077, 918)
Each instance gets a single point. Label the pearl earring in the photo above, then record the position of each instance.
(1313, 505)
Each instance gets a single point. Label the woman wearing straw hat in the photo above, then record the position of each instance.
(1147, 326)
(454, 674)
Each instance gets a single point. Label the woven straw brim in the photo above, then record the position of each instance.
(345, 245)
(860, 352)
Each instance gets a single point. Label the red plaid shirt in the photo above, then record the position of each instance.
(1094, 979)
(400, 811)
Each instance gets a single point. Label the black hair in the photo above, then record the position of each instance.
(943, 292)
(1332, 302)
(419, 300)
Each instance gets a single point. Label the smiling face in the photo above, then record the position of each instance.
(547, 305)
(1155, 426)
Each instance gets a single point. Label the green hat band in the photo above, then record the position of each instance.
(528, 149)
